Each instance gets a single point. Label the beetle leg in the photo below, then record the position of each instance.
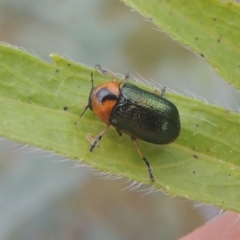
(126, 76)
(144, 159)
(98, 138)
(163, 89)
(104, 71)
(119, 132)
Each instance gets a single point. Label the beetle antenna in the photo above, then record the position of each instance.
(88, 103)
(84, 111)
(144, 159)
(92, 80)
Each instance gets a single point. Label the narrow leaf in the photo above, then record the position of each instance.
(209, 27)
(41, 104)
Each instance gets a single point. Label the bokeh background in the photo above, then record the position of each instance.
(47, 196)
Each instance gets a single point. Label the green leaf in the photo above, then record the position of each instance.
(41, 104)
(209, 27)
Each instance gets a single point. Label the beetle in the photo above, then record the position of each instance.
(139, 113)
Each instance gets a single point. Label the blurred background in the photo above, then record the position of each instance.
(46, 196)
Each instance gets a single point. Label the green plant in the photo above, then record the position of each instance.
(41, 103)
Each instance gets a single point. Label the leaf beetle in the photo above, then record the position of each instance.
(139, 113)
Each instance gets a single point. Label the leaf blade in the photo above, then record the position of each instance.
(198, 165)
(210, 27)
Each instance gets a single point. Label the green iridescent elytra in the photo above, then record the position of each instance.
(145, 115)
